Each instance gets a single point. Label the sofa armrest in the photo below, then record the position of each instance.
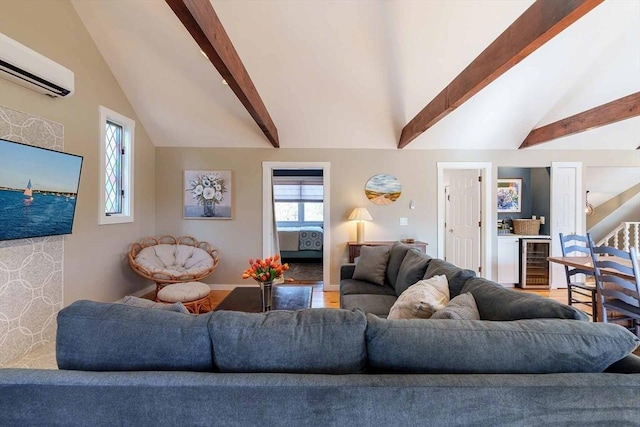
(346, 271)
(627, 365)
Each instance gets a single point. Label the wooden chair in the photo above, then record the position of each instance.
(618, 284)
(576, 245)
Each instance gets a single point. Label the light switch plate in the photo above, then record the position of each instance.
(404, 221)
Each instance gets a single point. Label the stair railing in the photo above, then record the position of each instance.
(630, 234)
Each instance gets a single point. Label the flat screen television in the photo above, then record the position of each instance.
(38, 190)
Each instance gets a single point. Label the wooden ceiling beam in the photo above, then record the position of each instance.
(542, 21)
(203, 24)
(611, 112)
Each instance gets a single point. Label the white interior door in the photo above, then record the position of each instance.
(567, 214)
(448, 247)
(464, 217)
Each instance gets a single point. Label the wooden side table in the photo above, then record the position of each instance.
(354, 248)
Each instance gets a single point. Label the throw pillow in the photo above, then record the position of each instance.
(462, 307)
(421, 300)
(411, 270)
(396, 255)
(178, 307)
(372, 264)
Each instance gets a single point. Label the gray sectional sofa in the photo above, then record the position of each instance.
(125, 365)
(404, 266)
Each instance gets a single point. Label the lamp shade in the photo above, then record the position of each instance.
(360, 214)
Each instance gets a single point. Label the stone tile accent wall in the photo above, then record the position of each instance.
(30, 269)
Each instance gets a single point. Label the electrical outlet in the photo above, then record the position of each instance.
(404, 221)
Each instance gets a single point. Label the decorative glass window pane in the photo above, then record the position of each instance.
(286, 211)
(313, 212)
(113, 168)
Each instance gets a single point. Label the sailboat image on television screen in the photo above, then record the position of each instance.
(28, 193)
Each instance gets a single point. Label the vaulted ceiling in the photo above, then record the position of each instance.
(352, 74)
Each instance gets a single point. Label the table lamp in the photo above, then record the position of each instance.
(361, 215)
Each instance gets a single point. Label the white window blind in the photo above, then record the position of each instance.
(303, 189)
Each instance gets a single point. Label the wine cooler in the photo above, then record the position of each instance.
(534, 267)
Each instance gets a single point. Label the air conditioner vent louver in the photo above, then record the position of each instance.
(28, 68)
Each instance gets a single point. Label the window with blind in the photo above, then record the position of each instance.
(298, 199)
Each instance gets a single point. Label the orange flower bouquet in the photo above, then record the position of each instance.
(266, 270)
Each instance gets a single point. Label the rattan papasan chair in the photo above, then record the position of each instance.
(168, 259)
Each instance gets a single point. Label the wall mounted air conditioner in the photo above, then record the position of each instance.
(28, 68)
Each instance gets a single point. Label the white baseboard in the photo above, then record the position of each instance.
(144, 291)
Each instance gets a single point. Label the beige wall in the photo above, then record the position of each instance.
(241, 237)
(94, 258)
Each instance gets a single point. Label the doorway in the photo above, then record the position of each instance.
(293, 214)
(466, 202)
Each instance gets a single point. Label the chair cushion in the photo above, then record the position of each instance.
(320, 341)
(183, 292)
(497, 303)
(462, 307)
(533, 346)
(95, 336)
(372, 264)
(174, 260)
(421, 300)
(146, 303)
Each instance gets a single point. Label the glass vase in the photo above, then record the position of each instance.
(266, 293)
(209, 208)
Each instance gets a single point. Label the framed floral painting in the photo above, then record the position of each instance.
(207, 195)
(510, 195)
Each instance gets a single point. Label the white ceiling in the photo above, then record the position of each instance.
(351, 74)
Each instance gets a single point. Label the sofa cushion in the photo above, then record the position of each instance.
(319, 341)
(411, 270)
(456, 276)
(352, 287)
(372, 264)
(473, 346)
(396, 255)
(462, 307)
(146, 303)
(95, 336)
(498, 303)
(421, 300)
(375, 304)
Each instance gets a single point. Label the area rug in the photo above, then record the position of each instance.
(304, 271)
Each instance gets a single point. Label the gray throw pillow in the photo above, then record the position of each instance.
(411, 270)
(462, 307)
(178, 307)
(396, 255)
(372, 264)
(456, 276)
(532, 346)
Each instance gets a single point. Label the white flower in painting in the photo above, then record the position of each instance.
(218, 187)
(206, 182)
(218, 195)
(208, 193)
(211, 177)
(198, 190)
